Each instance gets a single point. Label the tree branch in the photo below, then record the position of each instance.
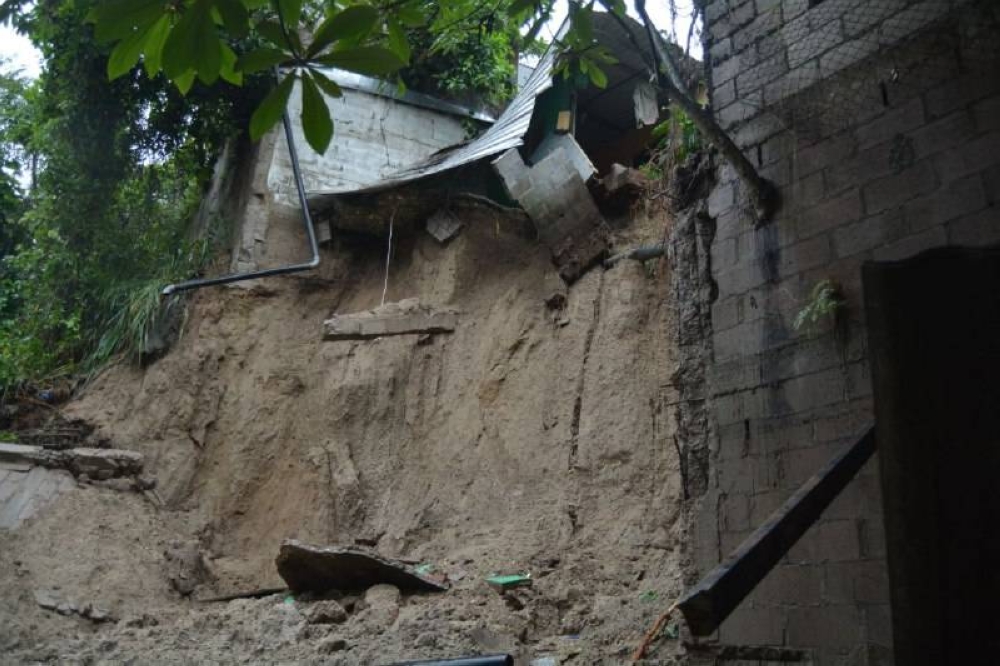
(668, 75)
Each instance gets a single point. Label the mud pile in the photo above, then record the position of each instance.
(537, 437)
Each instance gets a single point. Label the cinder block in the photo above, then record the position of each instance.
(977, 230)
(816, 390)
(832, 151)
(721, 50)
(797, 585)
(804, 255)
(750, 626)
(976, 155)
(953, 130)
(844, 209)
(819, 42)
(960, 92)
(765, 23)
(724, 94)
(987, 114)
(956, 199)
(858, 22)
(907, 117)
(912, 245)
(899, 188)
(848, 54)
(754, 78)
(878, 627)
(869, 233)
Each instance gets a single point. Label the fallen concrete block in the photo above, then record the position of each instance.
(402, 318)
(444, 226)
(347, 569)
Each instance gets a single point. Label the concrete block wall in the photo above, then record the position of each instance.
(902, 156)
(373, 136)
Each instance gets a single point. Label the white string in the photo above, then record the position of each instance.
(388, 255)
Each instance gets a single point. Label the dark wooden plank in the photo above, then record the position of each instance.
(716, 595)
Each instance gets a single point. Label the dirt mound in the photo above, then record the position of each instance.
(537, 437)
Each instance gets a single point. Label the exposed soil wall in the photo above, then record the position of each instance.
(533, 439)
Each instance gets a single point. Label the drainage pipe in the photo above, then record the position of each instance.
(643, 253)
(491, 660)
(268, 272)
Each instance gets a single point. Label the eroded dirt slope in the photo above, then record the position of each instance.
(534, 438)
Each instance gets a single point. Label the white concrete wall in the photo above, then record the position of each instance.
(373, 136)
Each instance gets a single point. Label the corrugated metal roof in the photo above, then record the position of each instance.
(506, 133)
(509, 130)
(367, 84)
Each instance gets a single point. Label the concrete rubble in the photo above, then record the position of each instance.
(404, 317)
(348, 568)
(100, 464)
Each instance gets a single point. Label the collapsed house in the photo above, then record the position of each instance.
(400, 160)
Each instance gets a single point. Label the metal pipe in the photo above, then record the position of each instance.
(642, 253)
(268, 272)
(490, 660)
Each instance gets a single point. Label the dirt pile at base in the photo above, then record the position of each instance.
(537, 437)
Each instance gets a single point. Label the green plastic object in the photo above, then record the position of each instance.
(508, 582)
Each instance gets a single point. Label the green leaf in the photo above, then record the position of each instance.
(185, 81)
(597, 76)
(316, 122)
(152, 55)
(368, 60)
(261, 59)
(235, 17)
(326, 84)
(411, 16)
(228, 70)
(290, 11)
(194, 44)
(117, 19)
(350, 23)
(272, 32)
(270, 110)
(398, 42)
(125, 54)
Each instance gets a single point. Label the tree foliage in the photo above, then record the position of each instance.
(100, 182)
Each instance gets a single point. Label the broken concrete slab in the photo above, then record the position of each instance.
(346, 568)
(444, 225)
(554, 194)
(405, 317)
(95, 463)
(24, 494)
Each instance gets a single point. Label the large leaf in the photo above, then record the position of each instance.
(185, 81)
(261, 59)
(290, 11)
(316, 122)
(369, 60)
(349, 23)
(152, 55)
(270, 110)
(326, 85)
(272, 32)
(398, 43)
(194, 44)
(118, 19)
(126, 54)
(235, 17)
(228, 71)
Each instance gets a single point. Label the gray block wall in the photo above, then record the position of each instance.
(884, 140)
(372, 137)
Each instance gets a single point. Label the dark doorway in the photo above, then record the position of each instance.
(934, 341)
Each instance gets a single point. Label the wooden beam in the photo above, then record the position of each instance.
(711, 601)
